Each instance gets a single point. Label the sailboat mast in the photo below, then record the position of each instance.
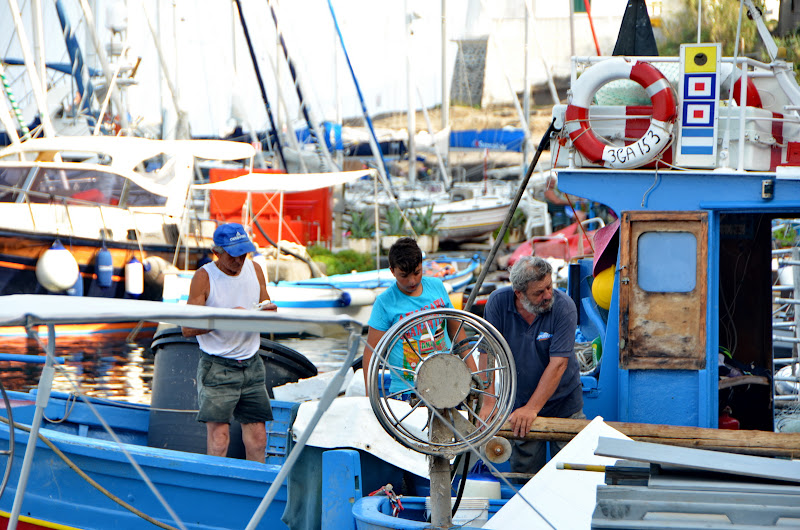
(80, 73)
(253, 58)
(36, 85)
(38, 41)
(313, 129)
(182, 126)
(412, 113)
(445, 92)
(373, 139)
(107, 72)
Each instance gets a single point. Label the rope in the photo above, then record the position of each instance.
(90, 480)
(69, 406)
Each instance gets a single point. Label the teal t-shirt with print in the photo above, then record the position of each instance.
(393, 305)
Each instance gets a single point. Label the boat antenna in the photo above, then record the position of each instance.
(257, 71)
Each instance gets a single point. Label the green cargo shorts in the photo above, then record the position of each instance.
(227, 388)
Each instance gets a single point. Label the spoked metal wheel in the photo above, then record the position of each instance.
(433, 378)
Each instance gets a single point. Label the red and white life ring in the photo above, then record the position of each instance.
(655, 139)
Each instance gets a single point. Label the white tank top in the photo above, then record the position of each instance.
(241, 290)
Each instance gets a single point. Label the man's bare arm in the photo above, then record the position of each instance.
(198, 294)
(373, 337)
(263, 294)
(522, 418)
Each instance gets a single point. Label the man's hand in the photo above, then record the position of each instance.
(521, 420)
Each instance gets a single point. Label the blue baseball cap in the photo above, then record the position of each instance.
(233, 239)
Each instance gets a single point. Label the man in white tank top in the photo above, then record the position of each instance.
(230, 374)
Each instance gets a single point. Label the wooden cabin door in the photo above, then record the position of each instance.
(663, 290)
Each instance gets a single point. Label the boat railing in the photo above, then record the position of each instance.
(749, 69)
(786, 384)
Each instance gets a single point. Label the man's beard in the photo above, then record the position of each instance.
(536, 309)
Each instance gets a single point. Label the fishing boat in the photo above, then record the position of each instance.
(349, 294)
(470, 219)
(695, 188)
(115, 206)
(91, 463)
(118, 476)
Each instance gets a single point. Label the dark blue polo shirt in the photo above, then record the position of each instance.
(552, 334)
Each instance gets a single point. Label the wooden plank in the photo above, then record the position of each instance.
(751, 466)
(762, 443)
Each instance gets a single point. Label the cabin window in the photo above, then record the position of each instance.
(667, 262)
(578, 6)
(90, 186)
(11, 177)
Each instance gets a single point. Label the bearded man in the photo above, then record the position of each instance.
(538, 322)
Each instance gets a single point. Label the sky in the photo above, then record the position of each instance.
(206, 57)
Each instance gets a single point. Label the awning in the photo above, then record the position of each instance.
(276, 182)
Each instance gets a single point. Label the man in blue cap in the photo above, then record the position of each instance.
(230, 374)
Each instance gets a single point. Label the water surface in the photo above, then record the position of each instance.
(113, 367)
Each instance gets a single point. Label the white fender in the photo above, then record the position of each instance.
(57, 269)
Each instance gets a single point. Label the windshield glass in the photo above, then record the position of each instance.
(83, 184)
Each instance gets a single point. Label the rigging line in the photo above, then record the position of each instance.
(89, 479)
(127, 454)
(261, 83)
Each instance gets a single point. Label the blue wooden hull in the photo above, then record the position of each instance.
(204, 491)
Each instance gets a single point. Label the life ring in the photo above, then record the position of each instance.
(655, 139)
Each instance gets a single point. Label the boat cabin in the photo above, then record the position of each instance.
(697, 184)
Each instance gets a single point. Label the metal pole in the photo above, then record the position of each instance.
(412, 108)
(36, 83)
(796, 284)
(699, 20)
(571, 28)
(43, 394)
(526, 92)
(328, 396)
(38, 42)
(445, 85)
(439, 471)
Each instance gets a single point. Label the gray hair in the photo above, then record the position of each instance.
(216, 249)
(528, 269)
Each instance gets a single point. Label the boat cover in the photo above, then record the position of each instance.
(276, 182)
(40, 309)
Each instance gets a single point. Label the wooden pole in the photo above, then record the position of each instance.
(748, 442)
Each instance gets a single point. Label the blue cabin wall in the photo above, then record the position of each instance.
(673, 397)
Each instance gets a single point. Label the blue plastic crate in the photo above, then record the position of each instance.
(278, 431)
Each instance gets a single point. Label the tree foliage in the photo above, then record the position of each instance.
(719, 21)
(341, 262)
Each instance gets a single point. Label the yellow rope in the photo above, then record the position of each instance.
(90, 480)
